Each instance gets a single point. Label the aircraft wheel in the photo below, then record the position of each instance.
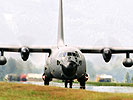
(66, 83)
(70, 84)
(46, 81)
(82, 81)
(82, 84)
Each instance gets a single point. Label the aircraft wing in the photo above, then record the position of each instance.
(108, 51)
(24, 51)
(31, 49)
(114, 50)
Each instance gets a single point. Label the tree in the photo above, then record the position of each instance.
(127, 78)
(132, 79)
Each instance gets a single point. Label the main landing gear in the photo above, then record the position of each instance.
(82, 81)
(46, 79)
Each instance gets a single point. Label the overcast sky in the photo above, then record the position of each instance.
(86, 22)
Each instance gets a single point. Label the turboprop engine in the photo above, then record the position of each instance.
(25, 53)
(128, 62)
(3, 60)
(106, 54)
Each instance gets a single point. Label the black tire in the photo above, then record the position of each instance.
(46, 81)
(66, 83)
(70, 84)
(82, 81)
(82, 84)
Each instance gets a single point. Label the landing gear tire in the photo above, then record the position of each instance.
(82, 84)
(45, 79)
(70, 83)
(66, 83)
(82, 81)
(46, 82)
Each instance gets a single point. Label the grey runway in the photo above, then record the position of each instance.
(110, 89)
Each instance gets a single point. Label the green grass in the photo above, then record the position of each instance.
(14, 91)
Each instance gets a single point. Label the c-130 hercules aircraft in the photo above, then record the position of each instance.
(66, 62)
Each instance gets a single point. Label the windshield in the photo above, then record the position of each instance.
(63, 54)
(72, 54)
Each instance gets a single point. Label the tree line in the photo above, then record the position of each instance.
(15, 66)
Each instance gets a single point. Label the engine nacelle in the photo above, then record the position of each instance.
(107, 54)
(128, 62)
(25, 53)
(3, 60)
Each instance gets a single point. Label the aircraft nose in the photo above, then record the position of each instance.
(70, 69)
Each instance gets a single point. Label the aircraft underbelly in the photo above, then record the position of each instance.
(58, 73)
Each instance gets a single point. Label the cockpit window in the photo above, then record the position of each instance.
(77, 54)
(71, 54)
(63, 54)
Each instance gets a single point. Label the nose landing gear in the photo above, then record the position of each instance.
(82, 81)
(70, 83)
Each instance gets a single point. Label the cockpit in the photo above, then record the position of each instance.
(64, 54)
(69, 61)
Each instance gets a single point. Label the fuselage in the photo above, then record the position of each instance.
(66, 63)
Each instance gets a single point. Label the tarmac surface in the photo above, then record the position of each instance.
(110, 89)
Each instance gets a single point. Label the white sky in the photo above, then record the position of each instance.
(86, 22)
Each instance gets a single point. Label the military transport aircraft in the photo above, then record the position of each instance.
(66, 62)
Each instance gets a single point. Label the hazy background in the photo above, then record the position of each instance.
(86, 23)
